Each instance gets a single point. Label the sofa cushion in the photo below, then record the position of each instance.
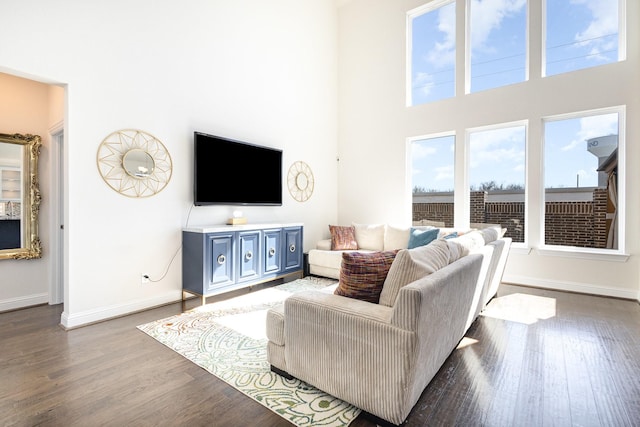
(421, 237)
(410, 265)
(471, 241)
(362, 274)
(370, 236)
(342, 237)
(396, 237)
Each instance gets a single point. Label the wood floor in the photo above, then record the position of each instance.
(536, 358)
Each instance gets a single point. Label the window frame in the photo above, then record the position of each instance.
(467, 169)
(618, 254)
(467, 50)
(411, 14)
(622, 40)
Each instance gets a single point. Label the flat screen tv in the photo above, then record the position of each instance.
(228, 172)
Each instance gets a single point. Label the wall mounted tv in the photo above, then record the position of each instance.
(228, 172)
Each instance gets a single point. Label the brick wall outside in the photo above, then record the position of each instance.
(581, 224)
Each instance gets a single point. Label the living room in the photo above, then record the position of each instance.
(324, 81)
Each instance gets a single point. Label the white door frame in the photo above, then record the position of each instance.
(56, 282)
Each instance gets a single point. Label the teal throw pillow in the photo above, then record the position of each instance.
(420, 237)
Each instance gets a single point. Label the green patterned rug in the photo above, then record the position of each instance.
(227, 338)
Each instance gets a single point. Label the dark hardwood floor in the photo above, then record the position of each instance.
(535, 358)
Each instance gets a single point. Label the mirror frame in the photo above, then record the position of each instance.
(30, 197)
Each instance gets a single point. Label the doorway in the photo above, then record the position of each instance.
(56, 284)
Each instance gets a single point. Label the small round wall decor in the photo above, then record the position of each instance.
(300, 181)
(134, 163)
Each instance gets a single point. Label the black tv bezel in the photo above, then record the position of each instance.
(197, 202)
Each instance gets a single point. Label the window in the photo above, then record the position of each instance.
(432, 52)
(497, 178)
(580, 177)
(432, 175)
(581, 34)
(498, 41)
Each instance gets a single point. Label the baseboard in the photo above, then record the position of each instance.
(84, 318)
(582, 288)
(23, 302)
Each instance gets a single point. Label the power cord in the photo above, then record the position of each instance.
(166, 271)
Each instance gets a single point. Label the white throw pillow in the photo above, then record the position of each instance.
(396, 238)
(370, 236)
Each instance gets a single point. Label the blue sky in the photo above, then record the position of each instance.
(580, 34)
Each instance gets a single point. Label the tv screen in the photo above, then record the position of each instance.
(228, 172)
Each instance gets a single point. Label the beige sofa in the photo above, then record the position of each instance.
(380, 357)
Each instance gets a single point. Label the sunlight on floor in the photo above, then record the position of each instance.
(465, 342)
(264, 296)
(252, 324)
(521, 308)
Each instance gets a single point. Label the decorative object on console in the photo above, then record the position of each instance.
(134, 163)
(237, 218)
(300, 181)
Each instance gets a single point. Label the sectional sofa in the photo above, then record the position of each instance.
(380, 356)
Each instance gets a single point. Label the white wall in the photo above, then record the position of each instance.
(374, 125)
(258, 71)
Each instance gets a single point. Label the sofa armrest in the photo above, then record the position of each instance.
(349, 349)
(324, 245)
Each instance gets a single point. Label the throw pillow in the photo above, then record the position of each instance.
(342, 238)
(362, 274)
(396, 237)
(419, 237)
(370, 236)
(410, 265)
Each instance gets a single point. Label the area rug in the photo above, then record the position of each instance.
(228, 339)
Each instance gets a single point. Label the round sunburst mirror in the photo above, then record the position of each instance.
(300, 181)
(134, 163)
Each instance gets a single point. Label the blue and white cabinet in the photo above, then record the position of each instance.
(222, 258)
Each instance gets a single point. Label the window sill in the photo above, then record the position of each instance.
(583, 253)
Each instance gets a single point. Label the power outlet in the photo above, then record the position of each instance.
(144, 278)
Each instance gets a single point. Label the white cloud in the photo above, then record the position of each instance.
(444, 173)
(592, 127)
(420, 151)
(443, 53)
(425, 82)
(497, 146)
(604, 23)
(487, 15)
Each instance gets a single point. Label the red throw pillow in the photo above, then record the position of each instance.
(343, 238)
(363, 273)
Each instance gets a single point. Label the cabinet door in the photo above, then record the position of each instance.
(220, 260)
(272, 248)
(293, 249)
(248, 255)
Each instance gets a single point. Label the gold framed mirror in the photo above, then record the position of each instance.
(19, 196)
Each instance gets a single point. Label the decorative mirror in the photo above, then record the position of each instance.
(300, 181)
(134, 163)
(19, 196)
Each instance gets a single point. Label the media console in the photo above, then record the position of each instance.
(223, 258)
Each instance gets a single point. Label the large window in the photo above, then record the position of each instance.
(577, 34)
(432, 52)
(580, 176)
(497, 178)
(432, 161)
(581, 34)
(498, 40)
